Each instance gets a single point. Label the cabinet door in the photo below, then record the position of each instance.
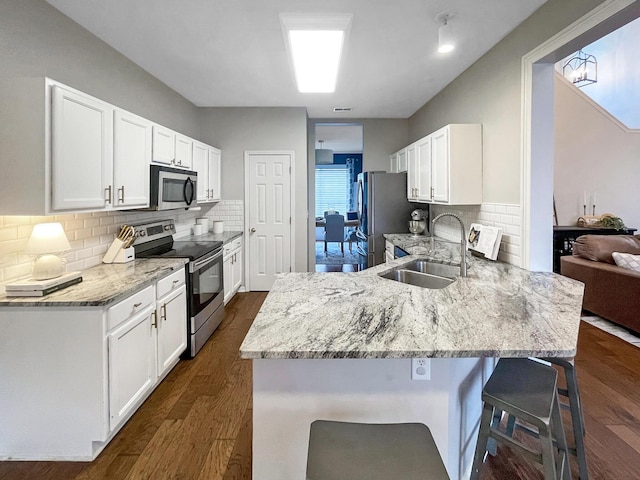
(164, 145)
(412, 173)
(423, 159)
(440, 165)
(227, 272)
(201, 165)
(215, 170)
(172, 329)
(393, 163)
(82, 151)
(131, 159)
(132, 364)
(402, 160)
(237, 269)
(184, 147)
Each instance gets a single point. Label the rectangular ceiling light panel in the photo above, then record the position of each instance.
(315, 43)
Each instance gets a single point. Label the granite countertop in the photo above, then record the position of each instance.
(224, 237)
(103, 284)
(498, 310)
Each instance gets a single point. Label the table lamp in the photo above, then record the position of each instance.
(46, 240)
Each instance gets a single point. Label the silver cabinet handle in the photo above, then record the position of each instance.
(121, 198)
(108, 190)
(163, 312)
(154, 323)
(175, 281)
(136, 305)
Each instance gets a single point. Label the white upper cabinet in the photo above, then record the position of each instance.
(184, 146)
(164, 145)
(448, 166)
(201, 165)
(402, 160)
(131, 159)
(215, 159)
(412, 173)
(82, 151)
(393, 163)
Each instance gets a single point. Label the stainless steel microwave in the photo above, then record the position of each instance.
(172, 188)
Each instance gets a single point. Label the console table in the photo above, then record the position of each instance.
(564, 236)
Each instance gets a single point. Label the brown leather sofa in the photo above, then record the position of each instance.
(610, 292)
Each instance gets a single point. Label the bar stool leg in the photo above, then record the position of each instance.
(548, 459)
(483, 437)
(577, 421)
(563, 465)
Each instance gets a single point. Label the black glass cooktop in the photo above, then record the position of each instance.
(190, 250)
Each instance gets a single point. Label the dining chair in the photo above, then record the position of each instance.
(334, 231)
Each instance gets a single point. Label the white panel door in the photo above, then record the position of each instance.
(164, 145)
(172, 329)
(201, 165)
(440, 165)
(184, 146)
(131, 159)
(423, 159)
(214, 173)
(269, 177)
(82, 151)
(132, 364)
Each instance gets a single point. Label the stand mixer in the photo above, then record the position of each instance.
(418, 222)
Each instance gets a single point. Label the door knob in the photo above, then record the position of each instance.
(253, 230)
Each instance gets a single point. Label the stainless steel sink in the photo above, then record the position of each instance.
(418, 279)
(433, 268)
(425, 274)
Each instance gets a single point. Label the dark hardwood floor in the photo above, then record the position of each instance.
(197, 423)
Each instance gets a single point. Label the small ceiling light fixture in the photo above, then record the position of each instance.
(324, 156)
(315, 44)
(446, 43)
(581, 69)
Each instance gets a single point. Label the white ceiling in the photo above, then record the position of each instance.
(232, 52)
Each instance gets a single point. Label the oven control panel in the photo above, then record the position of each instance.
(146, 232)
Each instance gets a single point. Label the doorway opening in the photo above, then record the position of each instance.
(338, 154)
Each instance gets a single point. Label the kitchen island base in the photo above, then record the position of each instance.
(290, 394)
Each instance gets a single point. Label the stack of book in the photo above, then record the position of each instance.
(39, 288)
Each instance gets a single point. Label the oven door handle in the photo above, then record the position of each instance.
(197, 265)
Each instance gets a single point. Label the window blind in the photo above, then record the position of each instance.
(332, 189)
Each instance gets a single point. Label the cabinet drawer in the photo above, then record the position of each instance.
(237, 243)
(170, 282)
(389, 247)
(231, 246)
(130, 306)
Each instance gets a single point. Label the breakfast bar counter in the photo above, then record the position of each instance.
(338, 346)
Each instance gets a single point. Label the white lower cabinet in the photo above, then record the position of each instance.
(83, 371)
(132, 364)
(233, 268)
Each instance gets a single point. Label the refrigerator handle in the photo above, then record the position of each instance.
(371, 221)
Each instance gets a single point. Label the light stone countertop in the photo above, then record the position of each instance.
(103, 284)
(498, 310)
(224, 237)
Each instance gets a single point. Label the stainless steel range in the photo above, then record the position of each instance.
(205, 285)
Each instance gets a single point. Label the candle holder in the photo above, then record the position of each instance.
(593, 211)
(584, 209)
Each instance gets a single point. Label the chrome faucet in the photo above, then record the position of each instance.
(463, 240)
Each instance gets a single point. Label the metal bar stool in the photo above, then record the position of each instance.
(525, 389)
(365, 451)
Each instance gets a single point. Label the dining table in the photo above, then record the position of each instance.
(320, 222)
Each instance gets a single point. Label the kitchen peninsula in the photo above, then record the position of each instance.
(338, 346)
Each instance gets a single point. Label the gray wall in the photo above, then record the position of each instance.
(489, 92)
(37, 40)
(235, 130)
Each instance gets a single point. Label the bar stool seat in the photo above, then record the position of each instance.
(525, 389)
(364, 451)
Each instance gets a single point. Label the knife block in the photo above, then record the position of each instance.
(117, 254)
(125, 255)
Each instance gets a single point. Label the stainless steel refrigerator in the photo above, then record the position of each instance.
(382, 208)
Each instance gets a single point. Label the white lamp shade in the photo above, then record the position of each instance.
(47, 238)
(324, 156)
(445, 39)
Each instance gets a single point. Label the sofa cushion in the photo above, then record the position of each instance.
(627, 260)
(599, 248)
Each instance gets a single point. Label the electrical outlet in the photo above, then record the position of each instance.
(420, 369)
